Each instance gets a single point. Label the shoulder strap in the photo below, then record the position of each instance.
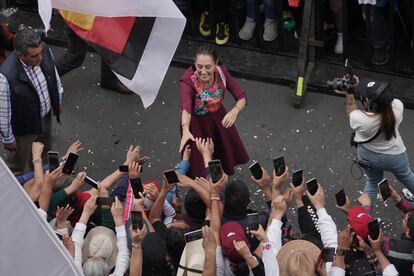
(353, 143)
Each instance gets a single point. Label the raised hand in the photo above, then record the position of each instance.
(75, 148)
(62, 214)
(134, 170)
(229, 119)
(37, 150)
(117, 211)
(186, 136)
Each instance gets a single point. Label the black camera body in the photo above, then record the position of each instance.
(346, 83)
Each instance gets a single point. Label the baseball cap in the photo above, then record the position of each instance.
(368, 88)
(229, 232)
(358, 219)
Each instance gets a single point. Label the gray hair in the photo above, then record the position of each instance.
(95, 267)
(26, 37)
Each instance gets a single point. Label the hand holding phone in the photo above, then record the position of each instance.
(279, 165)
(374, 230)
(70, 163)
(297, 178)
(91, 182)
(53, 158)
(136, 220)
(252, 222)
(216, 172)
(384, 189)
(312, 186)
(256, 170)
(171, 176)
(340, 197)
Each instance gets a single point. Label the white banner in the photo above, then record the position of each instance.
(28, 245)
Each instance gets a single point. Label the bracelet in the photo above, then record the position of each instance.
(137, 246)
(215, 198)
(37, 160)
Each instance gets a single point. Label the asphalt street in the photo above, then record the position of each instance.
(315, 137)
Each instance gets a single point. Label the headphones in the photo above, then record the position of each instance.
(373, 102)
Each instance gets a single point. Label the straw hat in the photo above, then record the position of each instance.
(299, 254)
(100, 242)
(192, 259)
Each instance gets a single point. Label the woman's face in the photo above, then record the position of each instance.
(205, 67)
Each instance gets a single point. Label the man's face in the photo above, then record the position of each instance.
(33, 56)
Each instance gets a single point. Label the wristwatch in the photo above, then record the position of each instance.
(341, 251)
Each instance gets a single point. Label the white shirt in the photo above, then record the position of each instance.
(367, 124)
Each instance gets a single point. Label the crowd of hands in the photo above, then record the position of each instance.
(276, 189)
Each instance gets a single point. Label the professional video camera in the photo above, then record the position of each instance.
(346, 83)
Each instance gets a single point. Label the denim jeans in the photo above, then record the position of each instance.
(397, 164)
(269, 9)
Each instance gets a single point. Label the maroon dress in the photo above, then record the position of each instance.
(228, 146)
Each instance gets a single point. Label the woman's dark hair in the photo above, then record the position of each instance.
(175, 243)
(208, 50)
(236, 198)
(194, 205)
(387, 120)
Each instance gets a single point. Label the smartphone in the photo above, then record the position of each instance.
(136, 220)
(53, 159)
(215, 169)
(137, 188)
(256, 170)
(340, 197)
(123, 168)
(194, 235)
(279, 165)
(384, 189)
(91, 182)
(328, 254)
(103, 201)
(355, 241)
(70, 163)
(373, 228)
(59, 235)
(297, 178)
(312, 186)
(252, 222)
(171, 176)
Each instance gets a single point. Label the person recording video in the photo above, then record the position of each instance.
(379, 144)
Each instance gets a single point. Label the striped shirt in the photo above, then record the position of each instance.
(38, 80)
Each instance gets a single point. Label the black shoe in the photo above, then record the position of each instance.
(380, 56)
(118, 87)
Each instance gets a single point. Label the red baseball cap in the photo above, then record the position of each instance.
(358, 219)
(229, 232)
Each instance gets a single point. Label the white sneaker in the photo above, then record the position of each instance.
(339, 46)
(247, 31)
(270, 30)
(407, 194)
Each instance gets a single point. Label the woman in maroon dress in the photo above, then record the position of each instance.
(203, 115)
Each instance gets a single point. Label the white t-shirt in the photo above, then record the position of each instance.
(367, 124)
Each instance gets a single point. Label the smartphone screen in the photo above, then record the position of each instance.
(252, 222)
(137, 188)
(171, 176)
(194, 235)
(297, 178)
(328, 254)
(103, 201)
(136, 220)
(312, 186)
(216, 172)
(340, 198)
(279, 165)
(70, 163)
(256, 170)
(373, 227)
(384, 189)
(123, 168)
(53, 159)
(91, 182)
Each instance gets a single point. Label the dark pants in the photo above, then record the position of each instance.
(75, 55)
(221, 9)
(378, 25)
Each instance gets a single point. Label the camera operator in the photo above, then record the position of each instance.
(379, 144)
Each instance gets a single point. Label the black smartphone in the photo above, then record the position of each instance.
(312, 186)
(355, 241)
(216, 172)
(328, 254)
(137, 188)
(256, 170)
(373, 228)
(194, 235)
(91, 182)
(136, 220)
(53, 159)
(70, 163)
(171, 176)
(279, 165)
(252, 222)
(103, 201)
(340, 197)
(384, 189)
(123, 168)
(59, 235)
(297, 178)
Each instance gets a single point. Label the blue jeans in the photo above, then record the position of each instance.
(269, 9)
(397, 164)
